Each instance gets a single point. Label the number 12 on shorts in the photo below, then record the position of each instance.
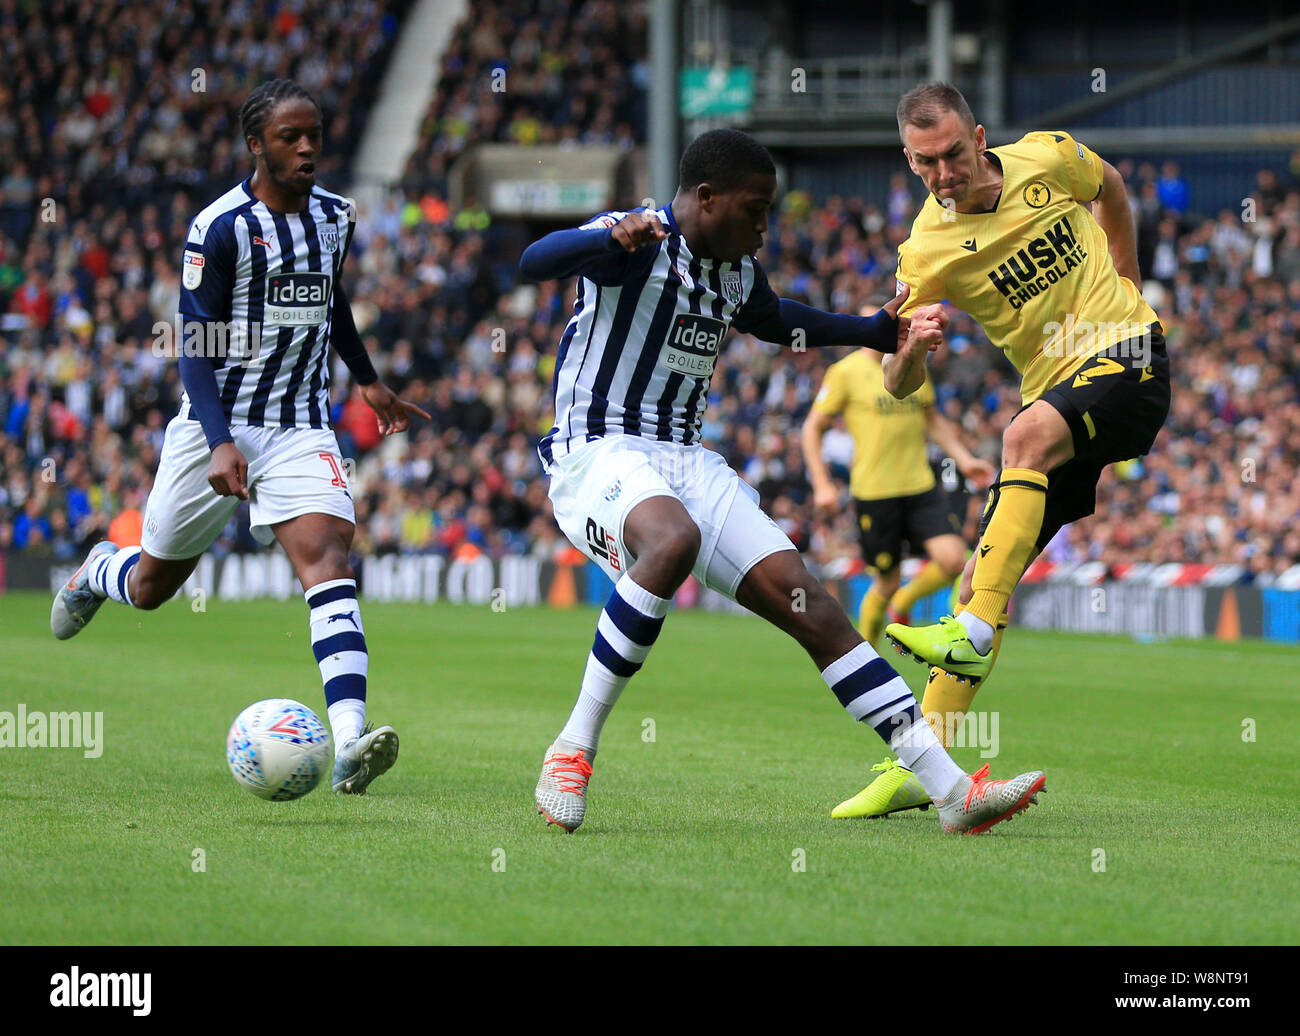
(603, 544)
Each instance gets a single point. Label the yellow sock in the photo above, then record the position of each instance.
(947, 699)
(871, 616)
(927, 581)
(1008, 542)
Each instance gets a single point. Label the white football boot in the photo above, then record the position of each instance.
(975, 803)
(561, 794)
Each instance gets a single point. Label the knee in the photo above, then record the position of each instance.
(1017, 445)
(330, 563)
(677, 548)
(887, 582)
(953, 562)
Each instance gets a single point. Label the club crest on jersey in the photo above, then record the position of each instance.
(300, 299)
(692, 344)
(1036, 194)
(329, 238)
(731, 287)
(192, 269)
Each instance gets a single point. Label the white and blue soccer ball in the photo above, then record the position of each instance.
(278, 749)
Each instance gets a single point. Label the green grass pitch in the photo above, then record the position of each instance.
(694, 836)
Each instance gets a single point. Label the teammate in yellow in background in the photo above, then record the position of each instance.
(895, 494)
(1006, 236)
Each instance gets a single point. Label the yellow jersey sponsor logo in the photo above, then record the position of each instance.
(1035, 267)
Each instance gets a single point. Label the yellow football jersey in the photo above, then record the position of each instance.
(1035, 272)
(889, 455)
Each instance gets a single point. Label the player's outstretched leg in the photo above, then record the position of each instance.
(945, 703)
(895, 787)
(1036, 442)
(126, 575)
(871, 691)
(664, 540)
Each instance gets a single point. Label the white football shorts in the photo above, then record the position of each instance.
(595, 487)
(291, 472)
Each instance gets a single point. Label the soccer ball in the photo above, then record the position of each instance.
(278, 749)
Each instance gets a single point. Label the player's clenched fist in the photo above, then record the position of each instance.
(924, 330)
(923, 335)
(637, 229)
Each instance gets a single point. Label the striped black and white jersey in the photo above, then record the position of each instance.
(637, 355)
(262, 283)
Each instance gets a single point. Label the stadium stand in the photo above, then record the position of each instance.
(99, 114)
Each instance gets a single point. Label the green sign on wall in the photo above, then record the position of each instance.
(716, 91)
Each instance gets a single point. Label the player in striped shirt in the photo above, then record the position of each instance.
(636, 492)
(261, 303)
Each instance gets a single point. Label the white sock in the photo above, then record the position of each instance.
(627, 628)
(871, 691)
(923, 753)
(347, 717)
(109, 574)
(586, 721)
(979, 631)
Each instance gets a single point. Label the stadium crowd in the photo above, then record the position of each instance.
(101, 117)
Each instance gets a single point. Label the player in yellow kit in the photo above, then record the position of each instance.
(1006, 235)
(896, 496)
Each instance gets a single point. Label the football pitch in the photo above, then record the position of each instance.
(1170, 816)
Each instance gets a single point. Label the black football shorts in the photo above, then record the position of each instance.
(1115, 405)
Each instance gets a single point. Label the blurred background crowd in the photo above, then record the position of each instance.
(107, 150)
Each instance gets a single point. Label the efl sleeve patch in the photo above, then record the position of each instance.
(192, 269)
(604, 220)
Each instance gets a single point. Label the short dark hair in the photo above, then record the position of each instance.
(259, 104)
(724, 157)
(923, 106)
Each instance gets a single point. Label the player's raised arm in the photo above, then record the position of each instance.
(787, 322)
(599, 249)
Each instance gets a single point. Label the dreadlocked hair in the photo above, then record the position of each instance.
(261, 102)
